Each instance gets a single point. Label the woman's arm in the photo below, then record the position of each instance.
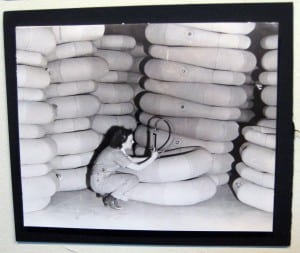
(138, 159)
(139, 166)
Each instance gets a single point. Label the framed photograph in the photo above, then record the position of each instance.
(166, 125)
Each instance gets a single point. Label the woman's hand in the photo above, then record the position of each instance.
(154, 154)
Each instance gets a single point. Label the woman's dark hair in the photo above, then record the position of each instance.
(114, 138)
(119, 136)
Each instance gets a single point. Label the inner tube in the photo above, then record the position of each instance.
(254, 195)
(182, 193)
(178, 35)
(177, 168)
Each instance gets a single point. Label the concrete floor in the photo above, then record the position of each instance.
(81, 209)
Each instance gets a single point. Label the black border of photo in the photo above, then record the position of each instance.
(258, 12)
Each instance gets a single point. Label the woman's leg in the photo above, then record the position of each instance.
(119, 185)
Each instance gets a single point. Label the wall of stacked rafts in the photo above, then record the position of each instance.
(193, 89)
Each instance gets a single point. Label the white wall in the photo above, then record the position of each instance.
(7, 237)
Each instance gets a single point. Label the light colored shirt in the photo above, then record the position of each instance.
(111, 160)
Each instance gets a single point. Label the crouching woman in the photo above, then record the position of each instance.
(106, 174)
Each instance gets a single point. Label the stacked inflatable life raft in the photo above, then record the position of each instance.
(115, 91)
(202, 96)
(74, 71)
(36, 149)
(255, 186)
(54, 128)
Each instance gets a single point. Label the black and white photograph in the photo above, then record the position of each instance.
(161, 125)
